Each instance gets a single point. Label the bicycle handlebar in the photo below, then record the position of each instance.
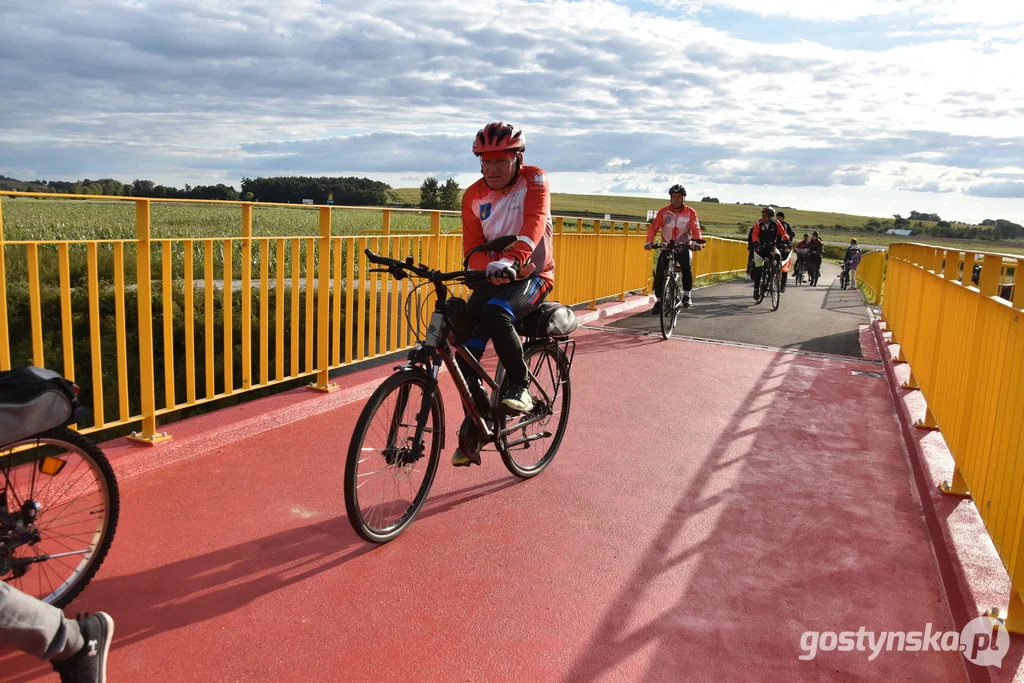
(402, 269)
(672, 244)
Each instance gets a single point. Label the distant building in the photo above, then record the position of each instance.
(894, 231)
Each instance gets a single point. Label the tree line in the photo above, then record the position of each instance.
(434, 195)
(345, 191)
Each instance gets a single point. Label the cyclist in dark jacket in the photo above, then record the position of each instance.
(765, 236)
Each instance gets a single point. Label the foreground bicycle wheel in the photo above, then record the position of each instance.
(59, 506)
(387, 474)
(776, 288)
(531, 448)
(669, 306)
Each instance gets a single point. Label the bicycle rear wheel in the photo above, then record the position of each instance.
(776, 287)
(388, 473)
(527, 450)
(669, 306)
(59, 506)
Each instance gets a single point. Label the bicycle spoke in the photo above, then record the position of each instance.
(382, 476)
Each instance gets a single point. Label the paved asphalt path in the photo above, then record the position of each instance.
(683, 536)
(823, 319)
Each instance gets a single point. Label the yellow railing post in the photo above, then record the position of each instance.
(246, 326)
(385, 222)
(1018, 281)
(595, 265)
(991, 266)
(625, 260)
(435, 233)
(323, 323)
(5, 339)
(143, 258)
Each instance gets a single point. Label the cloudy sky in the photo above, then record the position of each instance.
(867, 106)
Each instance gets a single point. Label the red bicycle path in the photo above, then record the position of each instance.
(710, 505)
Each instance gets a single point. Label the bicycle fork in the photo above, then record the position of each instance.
(422, 415)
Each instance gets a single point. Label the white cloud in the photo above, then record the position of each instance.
(992, 12)
(213, 91)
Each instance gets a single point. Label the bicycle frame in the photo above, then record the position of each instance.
(439, 349)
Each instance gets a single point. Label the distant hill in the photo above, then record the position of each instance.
(21, 186)
(635, 209)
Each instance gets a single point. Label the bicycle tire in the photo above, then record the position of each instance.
(395, 383)
(669, 313)
(776, 288)
(556, 369)
(38, 449)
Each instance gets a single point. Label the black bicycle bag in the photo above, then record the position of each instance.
(34, 400)
(551, 319)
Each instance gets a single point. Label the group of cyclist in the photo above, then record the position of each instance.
(513, 199)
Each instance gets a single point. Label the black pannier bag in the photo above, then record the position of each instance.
(551, 319)
(34, 400)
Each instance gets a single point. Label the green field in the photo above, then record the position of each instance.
(85, 219)
(88, 219)
(734, 220)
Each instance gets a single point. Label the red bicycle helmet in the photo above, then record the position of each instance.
(499, 137)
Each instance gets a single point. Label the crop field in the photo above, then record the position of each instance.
(88, 219)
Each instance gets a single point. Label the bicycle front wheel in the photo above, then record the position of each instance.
(776, 288)
(389, 470)
(532, 439)
(59, 506)
(669, 312)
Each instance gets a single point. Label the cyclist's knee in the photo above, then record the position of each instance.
(497, 315)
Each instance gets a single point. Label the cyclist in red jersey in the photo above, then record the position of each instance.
(676, 222)
(510, 199)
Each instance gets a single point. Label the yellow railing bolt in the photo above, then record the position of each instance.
(928, 422)
(957, 487)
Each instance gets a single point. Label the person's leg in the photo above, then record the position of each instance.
(512, 302)
(684, 259)
(33, 626)
(659, 279)
(477, 344)
(758, 269)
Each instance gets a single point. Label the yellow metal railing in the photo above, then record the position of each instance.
(151, 326)
(871, 274)
(965, 346)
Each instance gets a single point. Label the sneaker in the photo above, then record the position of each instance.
(518, 399)
(657, 308)
(686, 301)
(755, 295)
(460, 459)
(90, 663)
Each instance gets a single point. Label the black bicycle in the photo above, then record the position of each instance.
(398, 439)
(771, 280)
(671, 289)
(800, 274)
(59, 506)
(844, 276)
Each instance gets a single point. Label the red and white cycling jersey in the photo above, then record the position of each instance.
(522, 209)
(676, 225)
